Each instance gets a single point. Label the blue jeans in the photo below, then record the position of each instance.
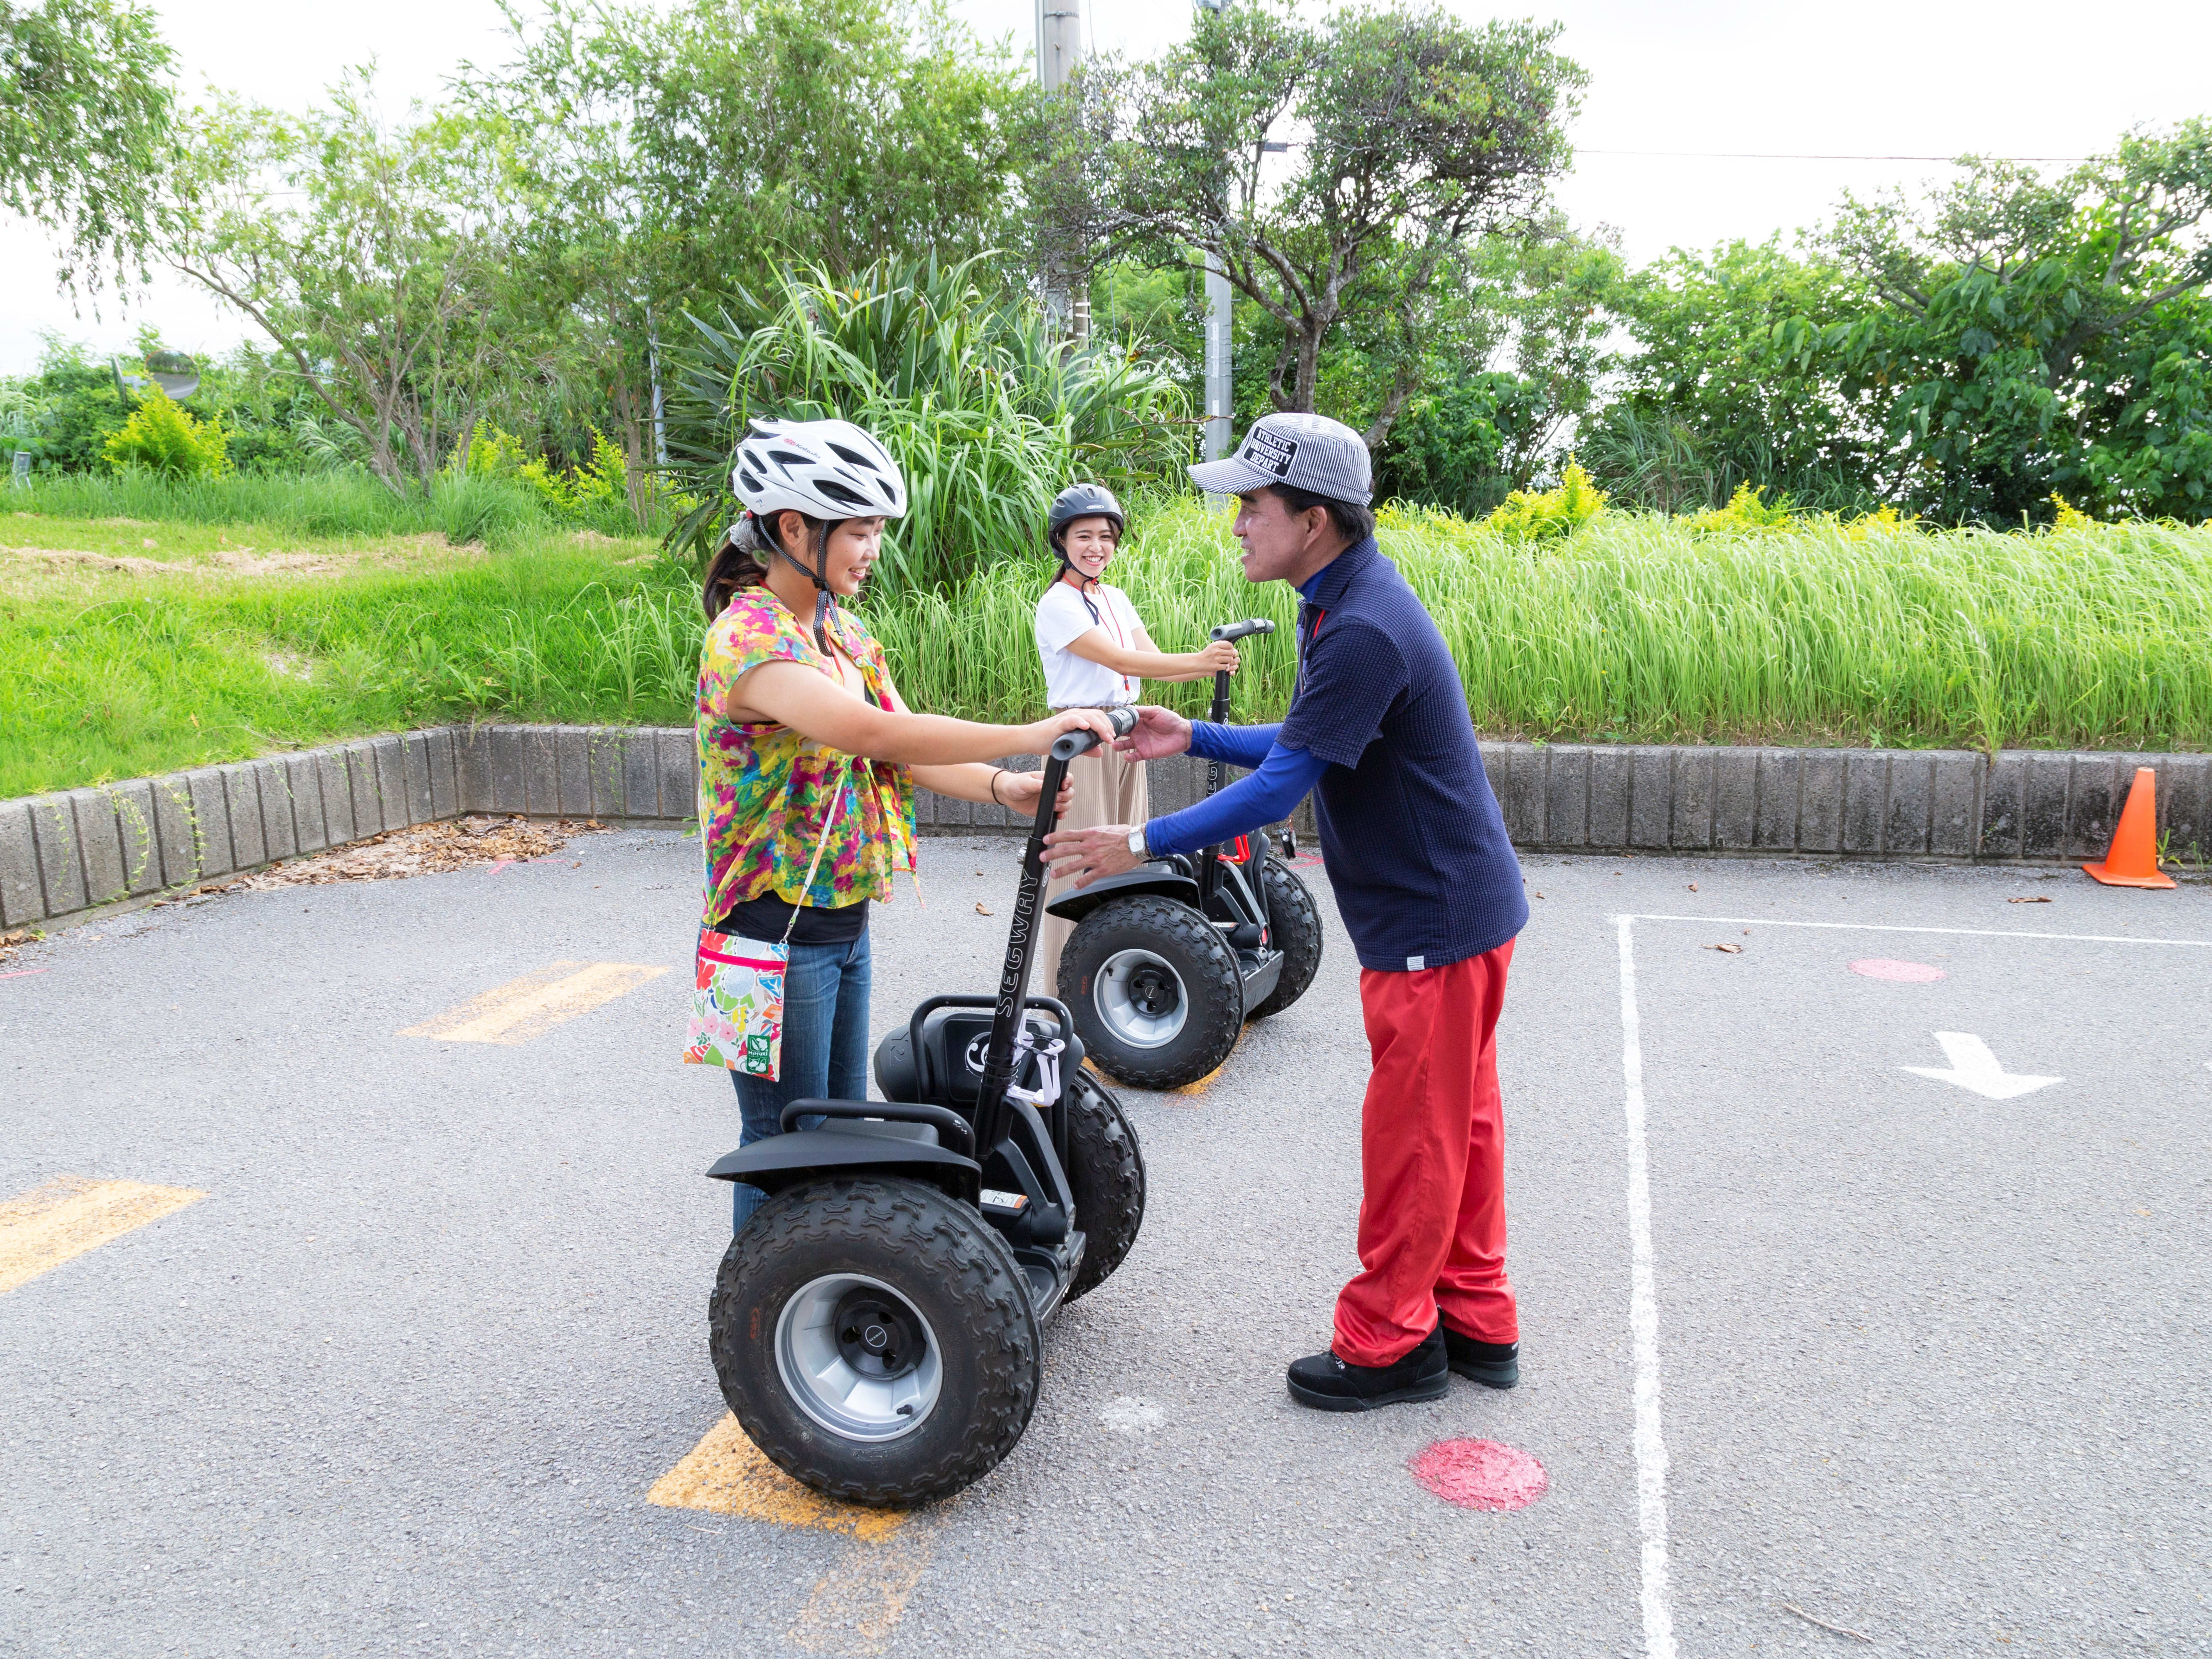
(825, 1049)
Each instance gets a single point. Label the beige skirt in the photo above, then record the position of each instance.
(1109, 789)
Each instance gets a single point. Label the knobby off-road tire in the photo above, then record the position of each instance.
(949, 1265)
(1192, 953)
(1107, 1169)
(1294, 928)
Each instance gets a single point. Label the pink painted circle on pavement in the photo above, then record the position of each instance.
(1908, 973)
(1480, 1474)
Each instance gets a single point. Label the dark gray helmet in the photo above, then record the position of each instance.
(1083, 500)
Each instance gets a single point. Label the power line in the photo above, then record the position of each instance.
(1750, 156)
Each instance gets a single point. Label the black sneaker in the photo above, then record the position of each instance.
(1493, 1364)
(1329, 1384)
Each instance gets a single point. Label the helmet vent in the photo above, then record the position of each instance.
(856, 457)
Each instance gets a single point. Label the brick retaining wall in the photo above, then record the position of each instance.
(63, 856)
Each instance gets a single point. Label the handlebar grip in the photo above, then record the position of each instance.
(1238, 630)
(1069, 744)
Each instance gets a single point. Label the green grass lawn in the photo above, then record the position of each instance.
(115, 672)
(228, 638)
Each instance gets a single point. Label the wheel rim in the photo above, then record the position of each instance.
(1141, 999)
(859, 1357)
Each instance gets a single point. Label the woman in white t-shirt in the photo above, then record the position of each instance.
(1097, 654)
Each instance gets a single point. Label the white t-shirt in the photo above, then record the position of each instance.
(1073, 682)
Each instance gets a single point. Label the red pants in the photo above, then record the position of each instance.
(1432, 1163)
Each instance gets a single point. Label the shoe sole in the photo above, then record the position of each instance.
(1492, 1374)
(1340, 1402)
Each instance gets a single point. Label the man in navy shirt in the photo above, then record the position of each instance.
(1428, 888)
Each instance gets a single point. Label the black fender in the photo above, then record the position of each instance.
(1163, 880)
(853, 1147)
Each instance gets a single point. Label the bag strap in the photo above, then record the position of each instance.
(821, 841)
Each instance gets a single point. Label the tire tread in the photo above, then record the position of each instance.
(799, 1230)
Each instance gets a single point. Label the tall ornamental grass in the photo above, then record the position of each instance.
(1627, 628)
(1637, 627)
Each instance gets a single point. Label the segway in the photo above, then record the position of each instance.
(1168, 961)
(877, 1324)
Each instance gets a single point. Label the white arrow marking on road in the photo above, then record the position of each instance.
(1973, 1066)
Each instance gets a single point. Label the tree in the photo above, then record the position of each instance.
(2035, 336)
(665, 159)
(87, 119)
(1729, 382)
(1411, 133)
(371, 258)
(1521, 367)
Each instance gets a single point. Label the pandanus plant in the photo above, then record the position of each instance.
(987, 408)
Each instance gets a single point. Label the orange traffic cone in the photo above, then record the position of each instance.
(2132, 860)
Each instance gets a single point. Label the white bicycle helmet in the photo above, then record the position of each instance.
(828, 470)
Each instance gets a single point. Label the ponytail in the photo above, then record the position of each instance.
(742, 559)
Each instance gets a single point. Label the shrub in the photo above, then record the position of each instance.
(1884, 520)
(2069, 516)
(601, 483)
(162, 438)
(1449, 448)
(490, 453)
(1548, 514)
(1746, 511)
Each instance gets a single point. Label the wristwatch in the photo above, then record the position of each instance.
(1138, 849)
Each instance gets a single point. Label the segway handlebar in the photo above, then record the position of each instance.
(1238, 630)
(1072, 743)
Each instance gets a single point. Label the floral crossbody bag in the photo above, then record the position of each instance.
(737, 996)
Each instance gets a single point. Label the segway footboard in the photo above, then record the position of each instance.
(858, 1136)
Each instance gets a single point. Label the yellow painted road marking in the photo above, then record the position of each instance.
(69, 1215)
(1195, 1089)
(1203, 1084)
(728, 1474)
(859, 1602)
(533, 1005)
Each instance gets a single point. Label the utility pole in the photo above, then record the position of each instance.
(1218, 391)
(1059, 50)
(1218, 303)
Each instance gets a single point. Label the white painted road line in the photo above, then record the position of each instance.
(1643, 1326)
(1973, 1066)
(1886, 927)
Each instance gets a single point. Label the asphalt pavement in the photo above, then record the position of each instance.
(1919, 1357)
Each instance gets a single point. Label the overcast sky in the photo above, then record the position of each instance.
(1881, 77)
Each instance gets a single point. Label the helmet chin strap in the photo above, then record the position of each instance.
(1083, 584)
(825, 602)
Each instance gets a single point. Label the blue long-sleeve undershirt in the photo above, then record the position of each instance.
(1269, 795)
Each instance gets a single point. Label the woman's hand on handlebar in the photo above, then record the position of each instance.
(1219, 657)
(1018, 790)
(1038, 737)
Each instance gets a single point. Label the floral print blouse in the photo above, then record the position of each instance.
(763, 789)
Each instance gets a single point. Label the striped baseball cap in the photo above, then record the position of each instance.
(1306, 451)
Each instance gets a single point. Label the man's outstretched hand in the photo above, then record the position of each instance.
(1160, 732)
(1088, 855)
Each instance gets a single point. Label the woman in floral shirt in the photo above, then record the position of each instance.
(799, 723)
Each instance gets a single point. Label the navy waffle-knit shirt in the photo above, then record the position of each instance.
(1411, 835)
